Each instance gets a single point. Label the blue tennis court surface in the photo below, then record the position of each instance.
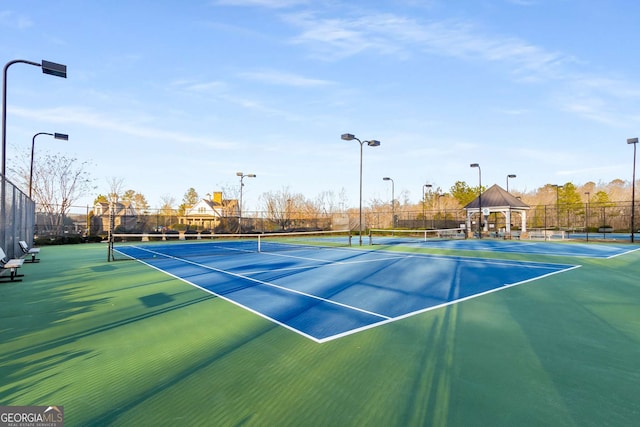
(325, 293)
(566, 248)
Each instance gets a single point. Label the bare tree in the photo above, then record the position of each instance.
(58, 182)
(230, 191)
(328, 202)
(281, 205)
(166, 212)
(167, 202)
(115, 189)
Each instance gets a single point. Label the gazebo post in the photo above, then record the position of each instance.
(468, 230)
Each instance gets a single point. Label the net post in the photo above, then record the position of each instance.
(259, 242)
(110, 232)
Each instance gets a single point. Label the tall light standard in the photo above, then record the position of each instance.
(507, 227)
(393, 202)
(558, 187)
(587, 220)
(370, 143)
(511, 175)
(62, 136)
(443, 218)
(424, 204)
(48, 67)
(633, 141)
(477, 165)
(242, 177)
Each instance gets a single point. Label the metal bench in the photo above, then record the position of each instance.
(29, 251)
(11, 265)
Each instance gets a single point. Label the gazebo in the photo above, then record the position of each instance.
(496, 200)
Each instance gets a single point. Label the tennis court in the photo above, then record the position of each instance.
(326, 293)
(454, 239)
(120, 343)
(527, 247)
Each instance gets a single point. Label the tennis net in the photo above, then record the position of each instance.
(401, 237)
(148, 245)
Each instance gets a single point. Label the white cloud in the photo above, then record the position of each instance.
(284, 79)
(11, 20)
(389, 34)
(271, 4)
(130, 127)
(594, 97)
(523, 2)
(615, 87)
(339, 38)
(201, 87)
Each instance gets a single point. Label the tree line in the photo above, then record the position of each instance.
(59, 181)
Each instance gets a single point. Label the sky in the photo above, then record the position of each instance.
(166, 95)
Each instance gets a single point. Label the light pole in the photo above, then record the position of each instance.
(61, 136)
(511, 175)
(370, 143)
(393, 202)
(443, 218)
(507, 227)
(558, 187)
(587, 219)
(633, 141)
(424, 204)
(242, 177)
(477, 165)
(51, 68)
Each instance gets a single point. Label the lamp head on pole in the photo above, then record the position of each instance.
(511, 175)
(348, 137)
(373, 143)
(61, 136)
(386, 178)
(632, 141)
(474, 165)
(54, 69)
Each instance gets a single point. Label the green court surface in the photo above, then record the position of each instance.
(123, 344)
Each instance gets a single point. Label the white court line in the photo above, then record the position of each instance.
(262, 282)
(435, 307)
(323, 262)
(623, 253)
(513, 246)
(244, 307)
(400, 256)
(384, 319)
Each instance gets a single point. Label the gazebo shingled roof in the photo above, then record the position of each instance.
(496, 196)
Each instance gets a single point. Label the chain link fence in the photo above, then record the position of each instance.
(605, 218)
(86, 223)
(17, 216)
